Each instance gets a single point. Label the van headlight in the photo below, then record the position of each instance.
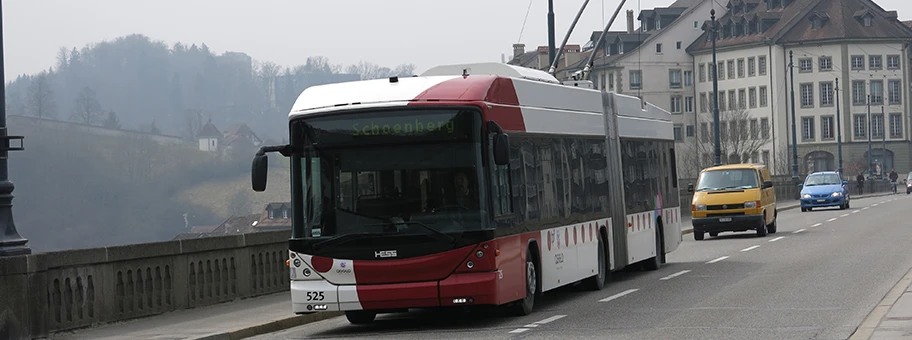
(750, 205)
(699, 207)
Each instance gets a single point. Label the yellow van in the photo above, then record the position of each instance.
(734, 197)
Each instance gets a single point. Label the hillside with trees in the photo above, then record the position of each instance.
(76, 189)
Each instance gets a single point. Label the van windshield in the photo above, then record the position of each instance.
(728, 179)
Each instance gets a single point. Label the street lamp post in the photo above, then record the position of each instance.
(838, 128)
(870, 132)
(794, 129)
(717, 146)
(551, 32)
(11, 243)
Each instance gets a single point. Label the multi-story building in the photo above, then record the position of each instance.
(853, 42)
(651, 61)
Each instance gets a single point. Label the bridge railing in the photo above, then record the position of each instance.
(58, 291)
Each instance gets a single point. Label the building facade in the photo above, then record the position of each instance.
(855, 42)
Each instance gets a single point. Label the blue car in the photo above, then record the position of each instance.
(824, 189)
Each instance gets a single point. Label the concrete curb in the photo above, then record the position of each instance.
(870, 323)
(798, 205)
(273, 326)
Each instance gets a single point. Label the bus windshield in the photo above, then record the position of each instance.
(391, 172)
(728, 179)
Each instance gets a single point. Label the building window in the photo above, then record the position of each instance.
(676, 104)
(825, 64)
(702, 73)
(688, 78)
(688, 104)
(659, 48)
(742, 99)
(635, 80)
(867, 21)
(877, 126)
(696, 24)
(751, 67)
(826, 93)
(893, 62)
(284, 213)
(807, 128)
(704, 132)
(764, 128)
(858, 92)
(816, 23)
(874, 62)
(877, 92)
(766, 157)
(754, 129)
(731, 69)
(826, 127)
(679, 136)
(732, 100)
(858, 62)
(763, 96)
(807, 95)
(752, 97)
(678, 45)
(674, 79)
(860, 128)
(704, 103)
(690, 130)
(721, 71)
(761, 65)
(271, 214)
(896, 125)
(741, 68)
(894, 88)
(805, 65)
(721, 101)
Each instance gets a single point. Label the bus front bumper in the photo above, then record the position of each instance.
(462, 289)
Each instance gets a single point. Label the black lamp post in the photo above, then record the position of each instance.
(11, 243)
(838, 128)
(794, 129)
(717, 146)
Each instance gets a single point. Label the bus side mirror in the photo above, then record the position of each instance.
(501, 149)
(690, 187)
(258, 172)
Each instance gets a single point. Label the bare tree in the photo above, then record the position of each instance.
(741, 138)
(404, 70)
(193, 120)
(41, 102)
(267, 73)
(321, 64)
(86, 109)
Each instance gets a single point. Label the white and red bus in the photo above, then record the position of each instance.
(481, 184)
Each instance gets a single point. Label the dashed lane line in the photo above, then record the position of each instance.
(669, 277)
(536, 324)
(844, 215)
(717, 260)
(832, 219)
(618, 295)
(816, 225)
(750, 248)
(777, 239)
(798, 231)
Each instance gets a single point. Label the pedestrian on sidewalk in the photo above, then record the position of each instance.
(860, 179)
(893, 177)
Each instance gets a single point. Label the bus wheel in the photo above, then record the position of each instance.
(360, 317)
(524, 306)
(655, 262)
(597, 281)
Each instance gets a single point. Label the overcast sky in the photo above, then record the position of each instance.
(385, 32)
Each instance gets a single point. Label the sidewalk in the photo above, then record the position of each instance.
(892, 317)
(225, 321)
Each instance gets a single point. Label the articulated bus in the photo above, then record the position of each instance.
(477, 184)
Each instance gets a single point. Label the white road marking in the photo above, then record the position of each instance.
(675, 275)
(844, 215)
(816, 225)
(750, 248)
(531, 325)
(875, 204)
(777, 239)
(553, 318)
(832, 219)
(615, 296)
(519, 330)
(717, 260)
(798, 231)
(865, 208)
(855, 211)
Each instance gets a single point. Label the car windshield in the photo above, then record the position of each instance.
(728, 179)
(371, 180)
(822, 179)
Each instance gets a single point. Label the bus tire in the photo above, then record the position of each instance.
(597, 281)
(360, 317)
(525, 306)
(655, 262)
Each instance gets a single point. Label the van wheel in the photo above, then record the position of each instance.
(698, 235)
(761, 230)
(771, 228)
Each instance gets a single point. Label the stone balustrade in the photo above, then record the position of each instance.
(64, 290)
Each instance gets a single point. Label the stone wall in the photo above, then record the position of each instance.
(51, 292)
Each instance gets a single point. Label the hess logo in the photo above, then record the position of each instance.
(385, 253)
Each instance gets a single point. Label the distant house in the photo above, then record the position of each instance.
(276, 216)
(209, 137)
(238, 141)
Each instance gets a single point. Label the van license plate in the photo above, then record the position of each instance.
(725, 219)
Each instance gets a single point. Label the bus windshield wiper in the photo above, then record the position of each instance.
(343, 239)
(437, 234)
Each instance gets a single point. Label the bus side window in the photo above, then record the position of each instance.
(500, 187)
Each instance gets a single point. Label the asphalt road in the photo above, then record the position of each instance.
(816, 278)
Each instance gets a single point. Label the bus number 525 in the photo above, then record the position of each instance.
(314, 296)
